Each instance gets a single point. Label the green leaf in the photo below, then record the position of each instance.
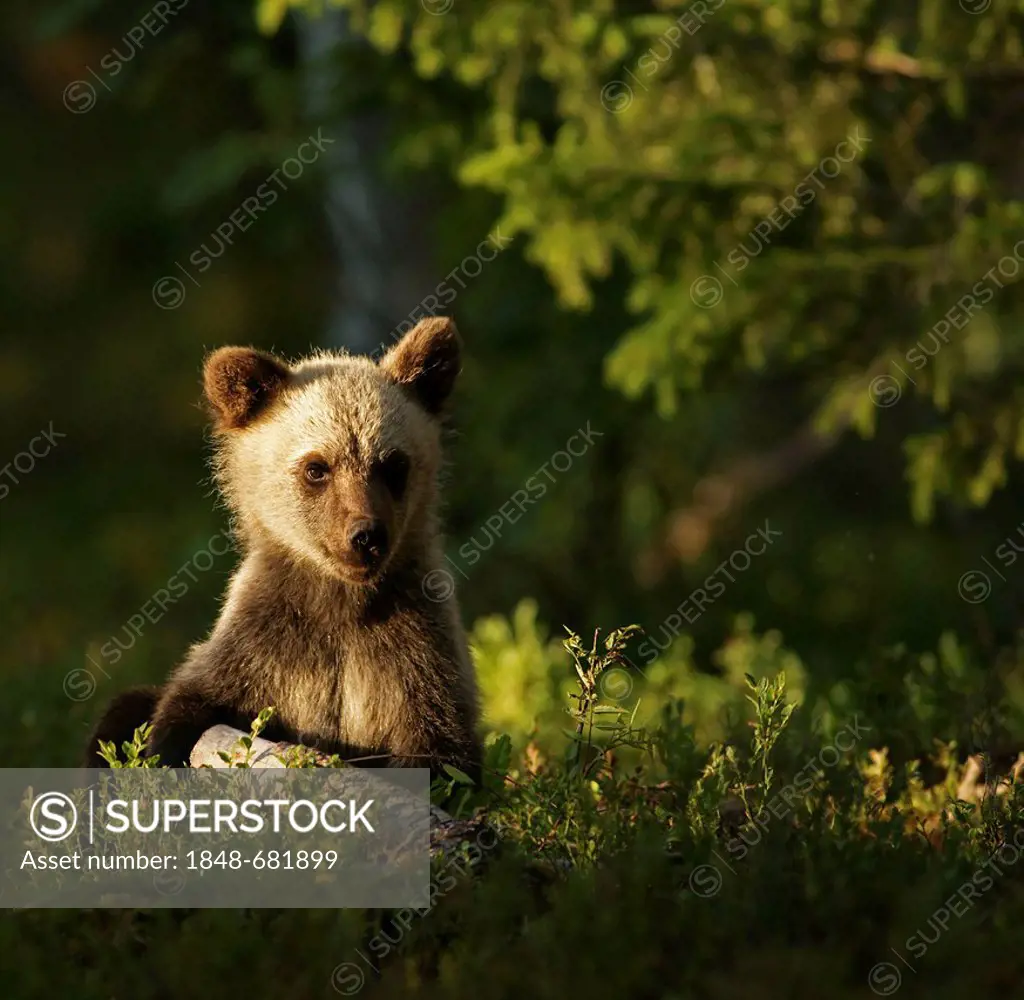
(459, 776)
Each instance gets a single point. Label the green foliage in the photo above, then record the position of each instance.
(241, 754)
(591, 713)
(133, 750)
(454, 791)
(594, 848)
(771, 712)
(700, 138)
(523, 675)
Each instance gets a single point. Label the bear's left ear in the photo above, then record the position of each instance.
(427, 360)
(240, 382)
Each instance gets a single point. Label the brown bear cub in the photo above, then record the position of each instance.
(330, 468)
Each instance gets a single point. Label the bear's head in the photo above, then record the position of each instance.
(335, 459)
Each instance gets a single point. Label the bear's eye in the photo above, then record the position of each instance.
(316, 472)
(393, 469)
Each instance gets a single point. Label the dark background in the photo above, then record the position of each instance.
(448, 126)
(586, 316)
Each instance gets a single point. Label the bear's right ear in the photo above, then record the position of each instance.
(426, 360)
(239, 382)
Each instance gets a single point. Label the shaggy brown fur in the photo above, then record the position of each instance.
(330, 468)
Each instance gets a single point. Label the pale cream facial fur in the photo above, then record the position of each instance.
(348, 412)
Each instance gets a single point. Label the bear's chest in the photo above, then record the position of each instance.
(340, 695)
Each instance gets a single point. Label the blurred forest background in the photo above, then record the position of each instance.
(769, 252)
(624, 156)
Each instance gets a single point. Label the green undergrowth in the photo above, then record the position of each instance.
(791, 859)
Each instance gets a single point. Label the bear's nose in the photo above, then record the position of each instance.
(369, 539)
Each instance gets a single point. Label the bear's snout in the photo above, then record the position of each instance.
(368, 540)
